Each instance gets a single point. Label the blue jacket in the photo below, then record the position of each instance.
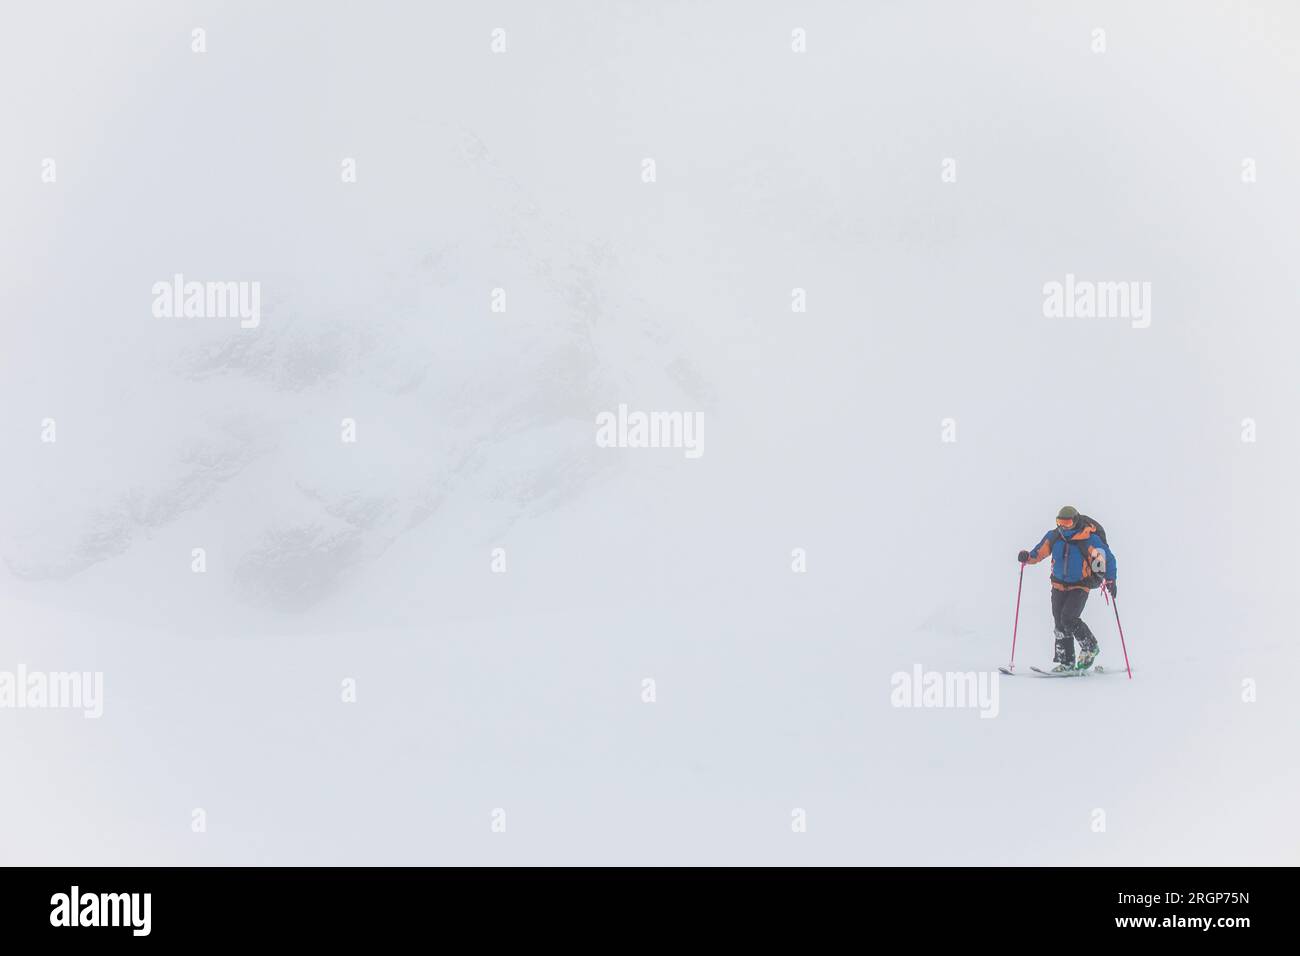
(1075, 556)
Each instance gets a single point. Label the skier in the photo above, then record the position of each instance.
(1081, 559)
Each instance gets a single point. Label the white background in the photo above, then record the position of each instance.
(522, 170)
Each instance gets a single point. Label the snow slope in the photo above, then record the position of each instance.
(373, 561)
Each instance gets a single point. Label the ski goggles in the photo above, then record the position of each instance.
(1065, 522)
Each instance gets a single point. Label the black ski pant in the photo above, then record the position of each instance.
(1066, 608)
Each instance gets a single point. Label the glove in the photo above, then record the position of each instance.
(1022, 557)
(1111, 587)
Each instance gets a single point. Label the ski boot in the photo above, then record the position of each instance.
(1086, 657)
(1063, 668)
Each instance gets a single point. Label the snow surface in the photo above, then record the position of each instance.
(522, 690)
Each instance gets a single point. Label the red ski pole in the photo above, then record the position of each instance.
(1115, 604)
(1016, 626)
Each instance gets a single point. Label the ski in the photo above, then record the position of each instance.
(1098, 669)
(1039, 670)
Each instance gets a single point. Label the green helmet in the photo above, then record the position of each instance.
(1068, 512)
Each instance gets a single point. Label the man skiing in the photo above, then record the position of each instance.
(1081, 559)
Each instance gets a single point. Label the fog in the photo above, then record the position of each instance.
(825, 231)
